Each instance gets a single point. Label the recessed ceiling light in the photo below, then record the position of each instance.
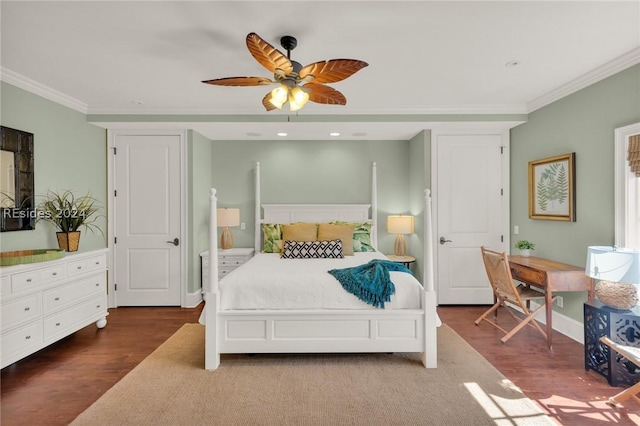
(334, 134)
(512, 63)
(281, 134)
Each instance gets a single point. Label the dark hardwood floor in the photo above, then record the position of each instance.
(56, 384)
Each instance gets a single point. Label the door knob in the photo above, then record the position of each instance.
(442, 240)
(175, 242)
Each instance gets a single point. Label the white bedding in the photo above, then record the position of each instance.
(269, 282)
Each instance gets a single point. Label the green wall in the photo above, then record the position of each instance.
(311, 172)
(583, 123)
(69, 154)
(419, 180)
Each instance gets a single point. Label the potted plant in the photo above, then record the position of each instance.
(525, 247)
(68, 213)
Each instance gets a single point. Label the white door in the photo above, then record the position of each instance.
(147, 206)
(470, 213)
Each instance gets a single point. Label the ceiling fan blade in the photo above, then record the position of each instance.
(268, 56)
(332, 70)
(265, 102)
(239, 81)
(322, 94)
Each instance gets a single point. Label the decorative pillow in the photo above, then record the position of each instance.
(272, 237)
(300, 232)
(312, 249)
(361, 235)
(330, 231)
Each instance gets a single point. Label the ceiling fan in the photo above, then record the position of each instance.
(296, 84)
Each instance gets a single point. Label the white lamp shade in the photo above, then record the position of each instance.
(400, 224)
(613, 264)
(228, 217)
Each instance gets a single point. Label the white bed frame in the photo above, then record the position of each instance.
(315, 331)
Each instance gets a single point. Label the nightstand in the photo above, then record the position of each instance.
(405, 260)
(228, 260)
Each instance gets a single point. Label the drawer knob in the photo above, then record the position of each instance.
(54, 274)
(97, 284)
(27, 308)
(98, 306)
(57, 324)
(79, 267)
(27, 337)
(56, 299)
(28, 280)
(98, 262)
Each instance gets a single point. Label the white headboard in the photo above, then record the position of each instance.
(318, 213)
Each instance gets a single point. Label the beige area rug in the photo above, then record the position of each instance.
(171, 387)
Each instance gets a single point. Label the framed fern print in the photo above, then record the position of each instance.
(552, 188)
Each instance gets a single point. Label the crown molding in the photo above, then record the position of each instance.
(608, 69)
(39, 89)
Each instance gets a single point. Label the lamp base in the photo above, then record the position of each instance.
(400, 247)
(617, 295)
(226, 238)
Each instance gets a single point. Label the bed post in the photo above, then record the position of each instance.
(429, 302)
(258, 215)
(374, 204)
(212, 349)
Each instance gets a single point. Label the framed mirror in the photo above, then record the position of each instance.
(17, 198)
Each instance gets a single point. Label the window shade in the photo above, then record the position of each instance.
(633, 155)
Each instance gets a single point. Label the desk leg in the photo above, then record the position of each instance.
(548, 297)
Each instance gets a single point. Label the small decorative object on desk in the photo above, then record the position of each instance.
(525, 247)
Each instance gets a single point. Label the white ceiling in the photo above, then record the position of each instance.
(425, 57)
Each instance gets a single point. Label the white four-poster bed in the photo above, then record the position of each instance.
(316, 330)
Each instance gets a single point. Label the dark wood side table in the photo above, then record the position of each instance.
(621, 326)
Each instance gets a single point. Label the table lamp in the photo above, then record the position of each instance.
(618, 272)
(400, 225)
(226, 219)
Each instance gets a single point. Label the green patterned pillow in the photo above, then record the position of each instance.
(272, 237)
(361, 235)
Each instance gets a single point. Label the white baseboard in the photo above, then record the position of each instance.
(193, 299)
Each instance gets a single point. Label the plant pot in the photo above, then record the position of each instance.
(525, 252)
(68, 241)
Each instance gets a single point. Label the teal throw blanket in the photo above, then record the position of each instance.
(370, 282)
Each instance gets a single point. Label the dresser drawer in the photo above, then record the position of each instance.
(63, 321)
(28, 280)
(83, 266)
(68, 294)
(20, 311)
(21, 339)
(5, 285)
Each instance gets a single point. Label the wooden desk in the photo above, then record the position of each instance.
(550, 276)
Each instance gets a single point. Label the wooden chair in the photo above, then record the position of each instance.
(505, 291)
(631, 354)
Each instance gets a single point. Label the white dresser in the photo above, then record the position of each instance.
(228, 260)
(43, 302)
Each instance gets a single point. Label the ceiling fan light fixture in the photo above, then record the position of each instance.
(298, 97)
(279, 96)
